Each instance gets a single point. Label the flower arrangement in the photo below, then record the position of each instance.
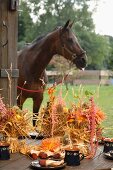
(51, 119)
(14, 122)
(80, 125)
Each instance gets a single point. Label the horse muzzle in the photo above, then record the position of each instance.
(80, 61)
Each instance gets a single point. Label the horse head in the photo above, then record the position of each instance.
(70, 47)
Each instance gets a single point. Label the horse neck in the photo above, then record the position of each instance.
(45, 50)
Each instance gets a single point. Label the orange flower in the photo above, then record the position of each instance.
(71, 118)
(80, 118)
(51, 90)
(50, 144)
(100, 116)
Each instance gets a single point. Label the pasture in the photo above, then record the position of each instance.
(103, 96)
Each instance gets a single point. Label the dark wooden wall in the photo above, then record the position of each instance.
(8, 52)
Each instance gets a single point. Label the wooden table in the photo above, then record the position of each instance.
(21, 162)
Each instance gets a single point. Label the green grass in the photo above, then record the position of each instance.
(103, 97)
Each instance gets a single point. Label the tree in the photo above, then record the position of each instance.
(25, 26)
(56, 12)
(50, 13)
(97, 47)
(109, 61)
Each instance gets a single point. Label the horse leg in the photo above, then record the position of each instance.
(20, 101)
(36, 106)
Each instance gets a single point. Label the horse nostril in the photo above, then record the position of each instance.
(83, 60)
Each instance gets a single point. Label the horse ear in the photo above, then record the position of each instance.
(70, 25)
(66, 25)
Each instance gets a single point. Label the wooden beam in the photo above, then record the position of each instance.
(14, 73)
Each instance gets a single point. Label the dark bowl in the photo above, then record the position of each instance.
(111, 153)
(108, 146)
(33, 136)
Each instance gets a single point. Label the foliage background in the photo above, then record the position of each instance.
(40, 17)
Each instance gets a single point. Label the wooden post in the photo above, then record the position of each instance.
(8, 50)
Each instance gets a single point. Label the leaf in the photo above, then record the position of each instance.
(88, 93)
(76, 96)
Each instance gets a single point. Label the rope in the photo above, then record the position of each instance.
(31, 91)
(41, 90)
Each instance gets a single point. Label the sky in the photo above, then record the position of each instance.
(103, 17)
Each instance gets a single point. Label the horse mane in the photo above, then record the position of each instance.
(42, 36)
(38, 38)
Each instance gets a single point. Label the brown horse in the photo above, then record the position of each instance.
(33, 60)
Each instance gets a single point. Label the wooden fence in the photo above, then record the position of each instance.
(90, 77)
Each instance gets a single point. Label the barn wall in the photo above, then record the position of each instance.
(8, 52)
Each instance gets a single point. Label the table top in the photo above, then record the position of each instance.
(22, 162)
